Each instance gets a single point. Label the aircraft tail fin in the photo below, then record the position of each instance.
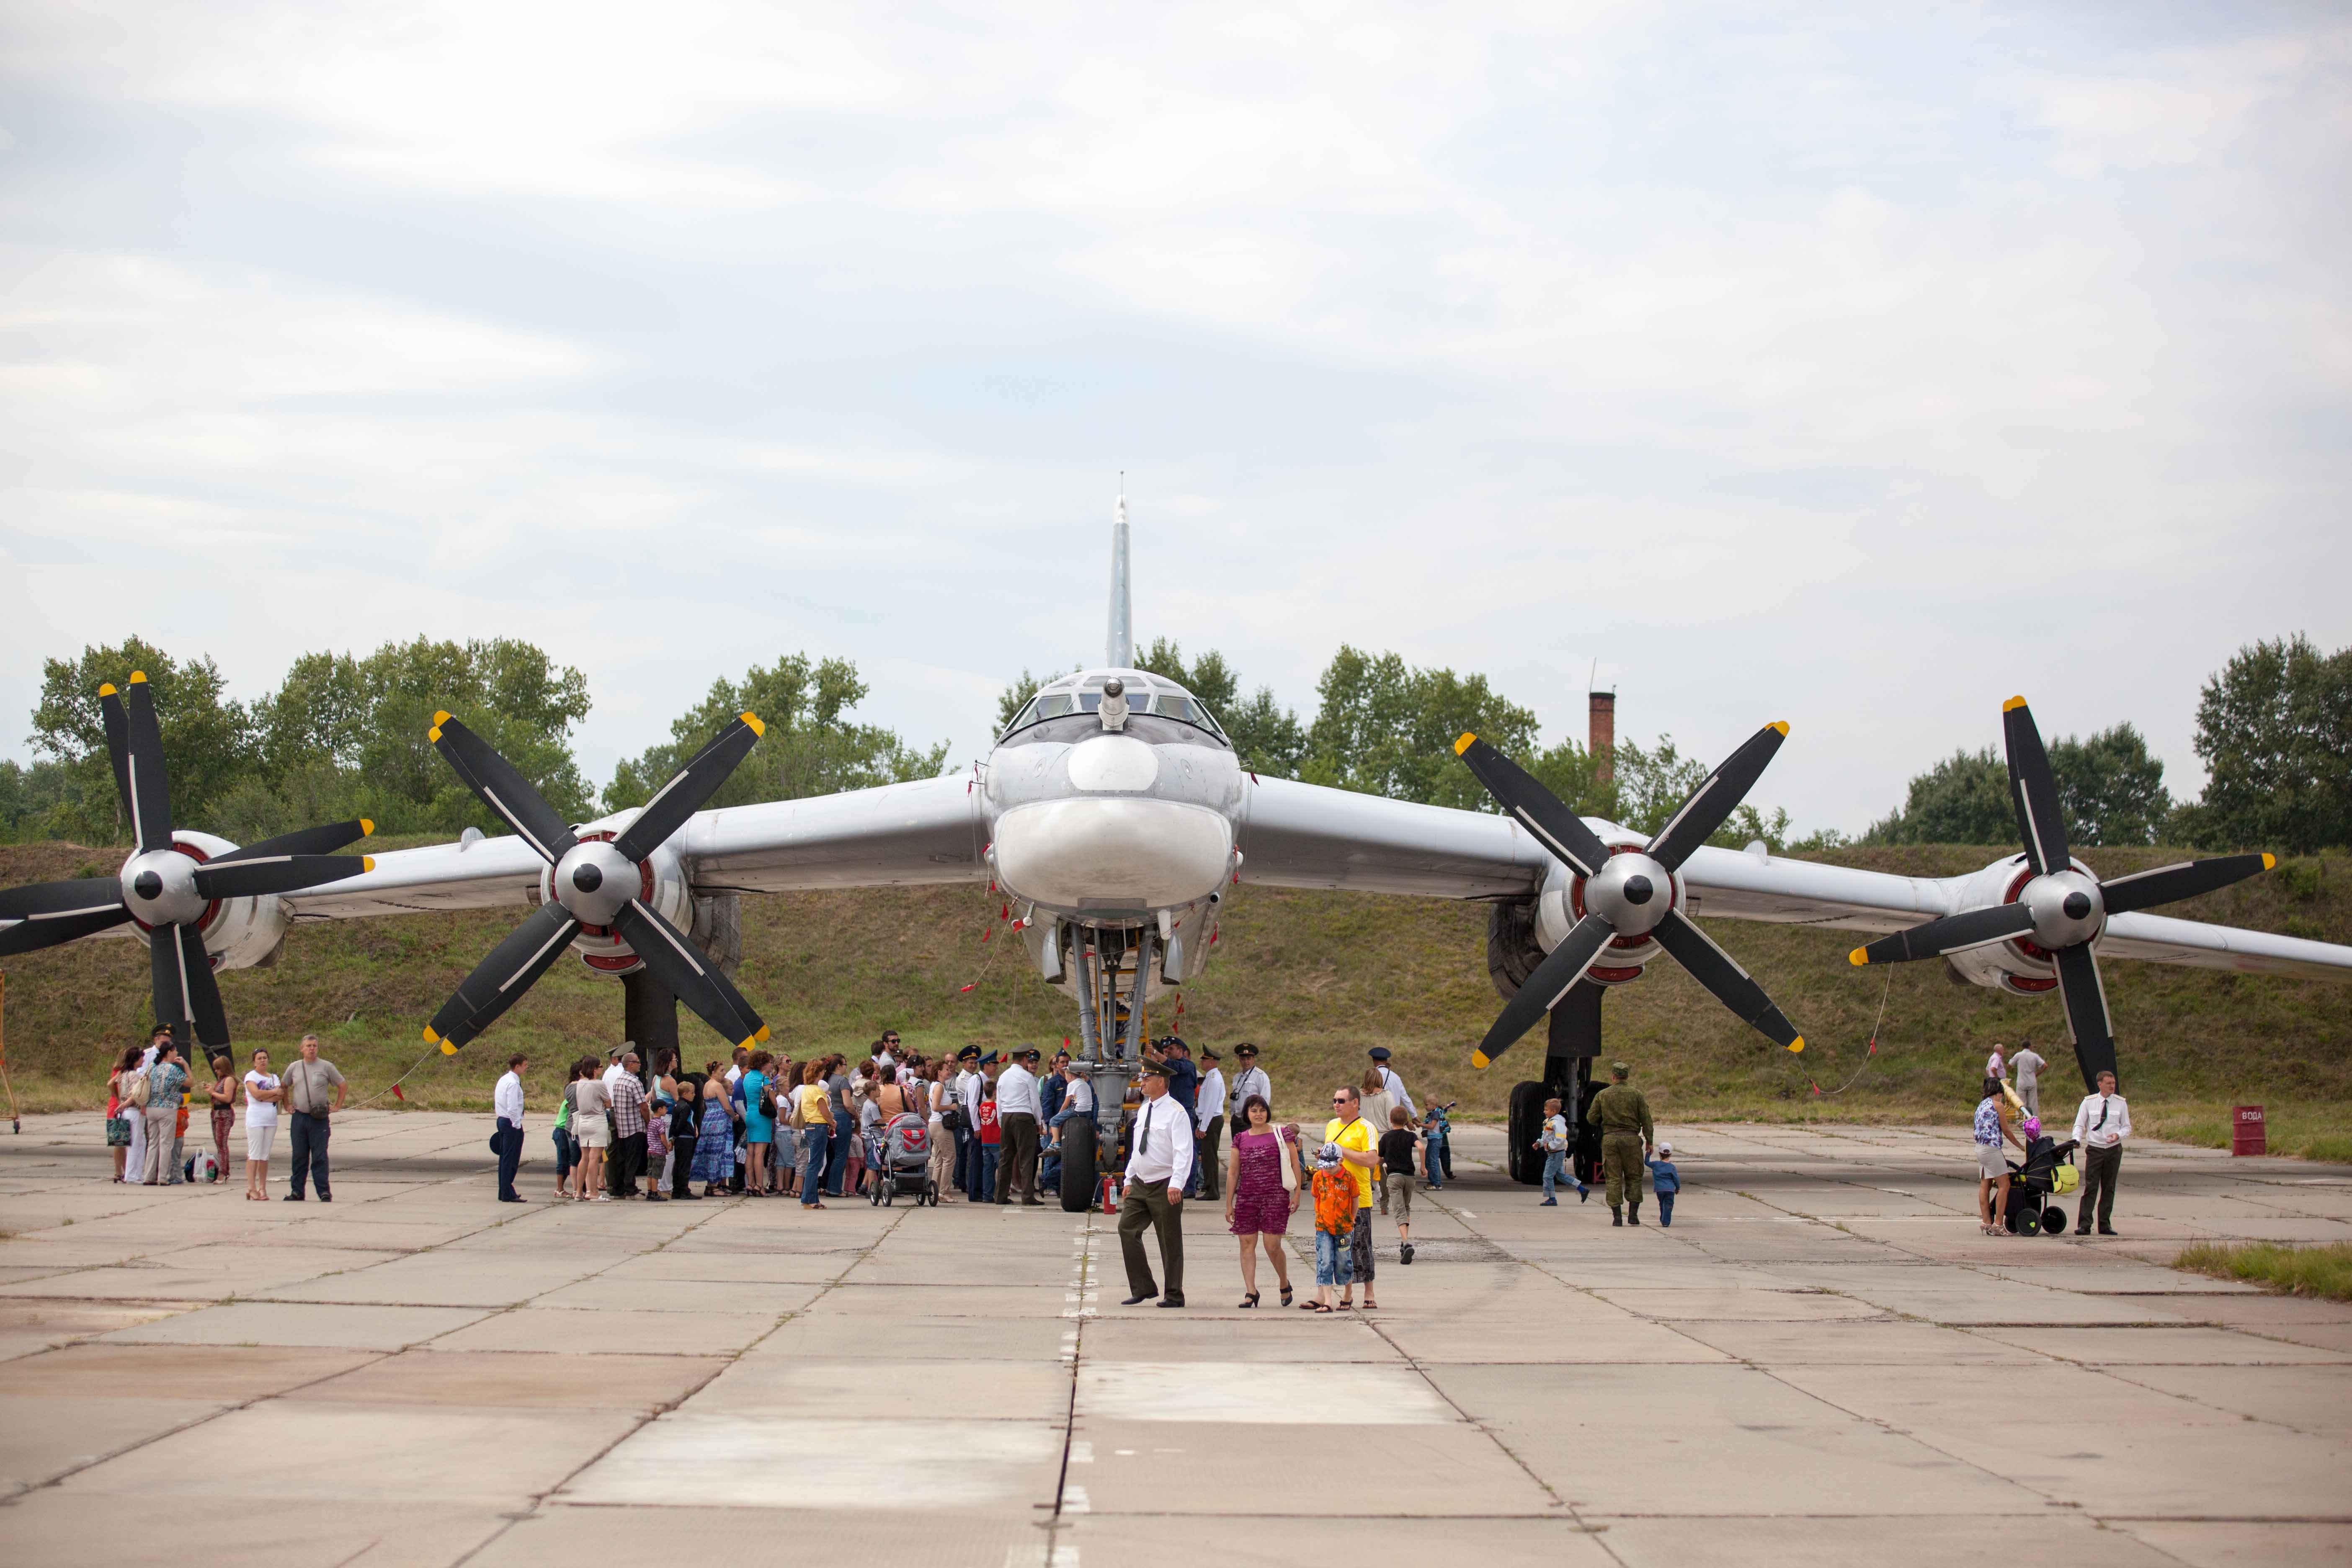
(1120, 652)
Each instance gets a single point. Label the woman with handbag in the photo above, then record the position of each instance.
(118, 1118)
(816, 1131)
(1262, 1187)
(759, 1123)
(222, 1092)
(264, 1091)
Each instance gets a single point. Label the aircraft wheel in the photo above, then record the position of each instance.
(1077, 1164)
(1526, 1161)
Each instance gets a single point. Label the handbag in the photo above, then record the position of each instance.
(1284, 1148)
(134, 1090)
(118, 1133)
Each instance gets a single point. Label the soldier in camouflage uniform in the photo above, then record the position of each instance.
(1627, 1134)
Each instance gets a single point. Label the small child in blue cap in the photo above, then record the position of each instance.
(1666, 1181)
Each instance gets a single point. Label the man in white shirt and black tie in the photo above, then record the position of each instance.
(1157, 1168)
(506, 1103)
(2102, 1122)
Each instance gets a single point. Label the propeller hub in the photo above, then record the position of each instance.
(2067, 909)
(159, 889)
(1626, 892)
(593, 880)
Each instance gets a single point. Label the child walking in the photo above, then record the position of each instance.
(1396, 1178)
(1335, 1225)
(1666, 1181)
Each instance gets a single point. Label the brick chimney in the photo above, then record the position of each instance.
(1602, 735)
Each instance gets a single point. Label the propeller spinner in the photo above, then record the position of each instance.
(164, 887)
(1630, 893)
(596, 882)
(2061, 908)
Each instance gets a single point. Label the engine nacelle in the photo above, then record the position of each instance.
(1518, 935)
(239, 933)
(2018, 965)
(662, 885)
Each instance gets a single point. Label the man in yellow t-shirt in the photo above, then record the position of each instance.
(1359, 1153)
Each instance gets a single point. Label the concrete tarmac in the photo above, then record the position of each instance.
(1823, 1362)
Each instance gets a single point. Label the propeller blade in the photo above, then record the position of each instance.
(500, 980)
(501, 788)
(185, 991)
(1553, 978)
(695, 783)
(1715, 799)
(277, 874)
(51, 901)
(117, 745)
(54, 931)
(149, 795)
(1721, 973)
(2086, 1012)
(2168, 884)
(691, 976)
(1950, 934)
(323, 840)
(1555, 827)
(2033, 788)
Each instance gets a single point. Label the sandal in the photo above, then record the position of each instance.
(1248, 1302)
(1370, 1305)
(1286, 1295)
(1319, 1307)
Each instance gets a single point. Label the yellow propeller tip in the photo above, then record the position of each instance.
(1798, 1044)
(2269, 861)
(1481, 1059)
(763, 1032)
(1781, 725)
(430, 1037)
(434, 734)
(753, 719)
(367, 863)
(1465, 743)
(441, 716)
(106, 688)
(2012, 705)
(447, 1049)
(1858, 957)
(137, 678)
(367, 828)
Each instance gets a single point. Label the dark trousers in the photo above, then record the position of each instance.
(510, 1157)
(975, 1185)
(1016, 1159)
(2099, 1169)
(307, 1138)
(962, 1159)
(626, 1164)
(1146, 1207)
(836, 1163)
(1665, 1208)
(1204, 1158)
(987, 1159)
(683, 1143)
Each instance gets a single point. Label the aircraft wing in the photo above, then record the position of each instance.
(1306, 835)
(2161, 938)
(925, 831)
(1752, 887)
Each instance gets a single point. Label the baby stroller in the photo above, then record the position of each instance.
(2049, 1169)
(899, 1161)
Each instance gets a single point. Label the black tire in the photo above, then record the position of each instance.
(2053, 1221)
(1077, 1164)
(1526, 1161)
(2014, 1223)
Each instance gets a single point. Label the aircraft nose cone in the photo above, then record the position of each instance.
(587, 878)
(1638, 889)
(2077, 906)
(147, 885)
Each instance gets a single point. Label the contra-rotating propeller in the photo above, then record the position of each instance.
(1629, 893)
(596, 882)
(163, 886)
(2060, 910)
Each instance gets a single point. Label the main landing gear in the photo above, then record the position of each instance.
(1574, 1040)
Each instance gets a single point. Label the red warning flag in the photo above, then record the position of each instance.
(961, 989)
(397, 1095)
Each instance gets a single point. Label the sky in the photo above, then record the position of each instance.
(1851, 366)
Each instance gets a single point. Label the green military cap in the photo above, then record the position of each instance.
(1620, 1069)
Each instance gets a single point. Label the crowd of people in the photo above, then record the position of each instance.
(2009, 1115)
(151, 1096)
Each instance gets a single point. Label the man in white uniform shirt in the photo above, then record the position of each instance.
(1248, 1079)
(966, 1097)
(1211, 1112)
(1017, 1118)
(1393, 1084)
(506, 1102)
(1156, 1167)
(2102, 1122)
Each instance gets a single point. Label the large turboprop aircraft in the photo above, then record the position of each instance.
(1113, 811)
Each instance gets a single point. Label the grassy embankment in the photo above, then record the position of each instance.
(1314, 978)
(2323, 1270)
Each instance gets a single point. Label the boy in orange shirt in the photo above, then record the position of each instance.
(1335, 1222)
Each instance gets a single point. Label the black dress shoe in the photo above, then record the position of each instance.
(1139, 1300)
(2105, 1231)
(1172, 1301)
(2083, 1230)
(292, 1198)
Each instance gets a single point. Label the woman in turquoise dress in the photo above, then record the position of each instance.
(759, 1126)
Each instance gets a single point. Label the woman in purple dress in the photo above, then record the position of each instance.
(1262, 1187)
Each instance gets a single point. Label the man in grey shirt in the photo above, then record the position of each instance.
(2027, 1064)
(314, 1091)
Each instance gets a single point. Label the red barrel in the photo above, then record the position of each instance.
(2248, 1133)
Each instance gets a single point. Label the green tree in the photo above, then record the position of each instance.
(809, 749)
(1964, 799)
(207, 740)
(29, 797)
(1266, 736)
(2274, 729)
(2110, 788)
(1651, 785)
(1385, 728)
